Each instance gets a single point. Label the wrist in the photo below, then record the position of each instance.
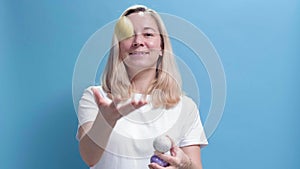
(188, 164)
(110, 118)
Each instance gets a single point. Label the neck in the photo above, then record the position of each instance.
(142, 80)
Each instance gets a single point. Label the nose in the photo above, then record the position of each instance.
(138, 41)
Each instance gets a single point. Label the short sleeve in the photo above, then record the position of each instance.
(87, 108)
(196, 134)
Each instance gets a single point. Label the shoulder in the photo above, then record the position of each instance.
(188, 102)
(188, 107)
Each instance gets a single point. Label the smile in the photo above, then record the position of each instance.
(138, 53)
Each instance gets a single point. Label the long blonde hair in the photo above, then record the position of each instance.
(165, 89)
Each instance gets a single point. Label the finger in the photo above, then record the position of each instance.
(138, 104)
(129, 107)
(155, 166)
(172, 141)
(139, 98)
(96, 95)
(143, 99)
(167, 158)
(174, 147)
(117, 100)
(150, 166)
(157, 152)
(99, 99)
(174, 151)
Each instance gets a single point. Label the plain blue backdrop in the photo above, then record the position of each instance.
(258, 42)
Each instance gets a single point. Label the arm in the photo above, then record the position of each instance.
(89, 150)
(94, 136)
(91, 145)
(188, 156)
(193, 152)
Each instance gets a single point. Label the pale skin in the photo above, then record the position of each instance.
(139, 53)
(181, 158)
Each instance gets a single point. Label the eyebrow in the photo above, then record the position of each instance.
(146, 28)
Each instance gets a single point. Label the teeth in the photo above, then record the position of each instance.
(138, 53)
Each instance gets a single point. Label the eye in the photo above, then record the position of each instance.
(148, 34)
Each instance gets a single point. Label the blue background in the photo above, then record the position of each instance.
(258, 42)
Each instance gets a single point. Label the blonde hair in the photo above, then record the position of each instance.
(165, 89)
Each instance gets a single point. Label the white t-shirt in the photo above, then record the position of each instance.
(130, 143)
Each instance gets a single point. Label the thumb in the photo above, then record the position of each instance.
(174, 147)
(99, 99)
(174, 150)
(172, 141)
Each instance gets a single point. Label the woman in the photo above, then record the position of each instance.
(140, 99)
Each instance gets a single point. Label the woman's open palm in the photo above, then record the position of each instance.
(112, 111)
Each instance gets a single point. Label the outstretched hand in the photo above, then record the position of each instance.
(112, 111)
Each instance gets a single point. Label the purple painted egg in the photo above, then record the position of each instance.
(157, 160)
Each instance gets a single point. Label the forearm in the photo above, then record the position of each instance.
(90, 151)
(194, 165)
(193, 157)
(92, 144)
(189, 164)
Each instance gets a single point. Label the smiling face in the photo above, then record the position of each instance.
(141, 51)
